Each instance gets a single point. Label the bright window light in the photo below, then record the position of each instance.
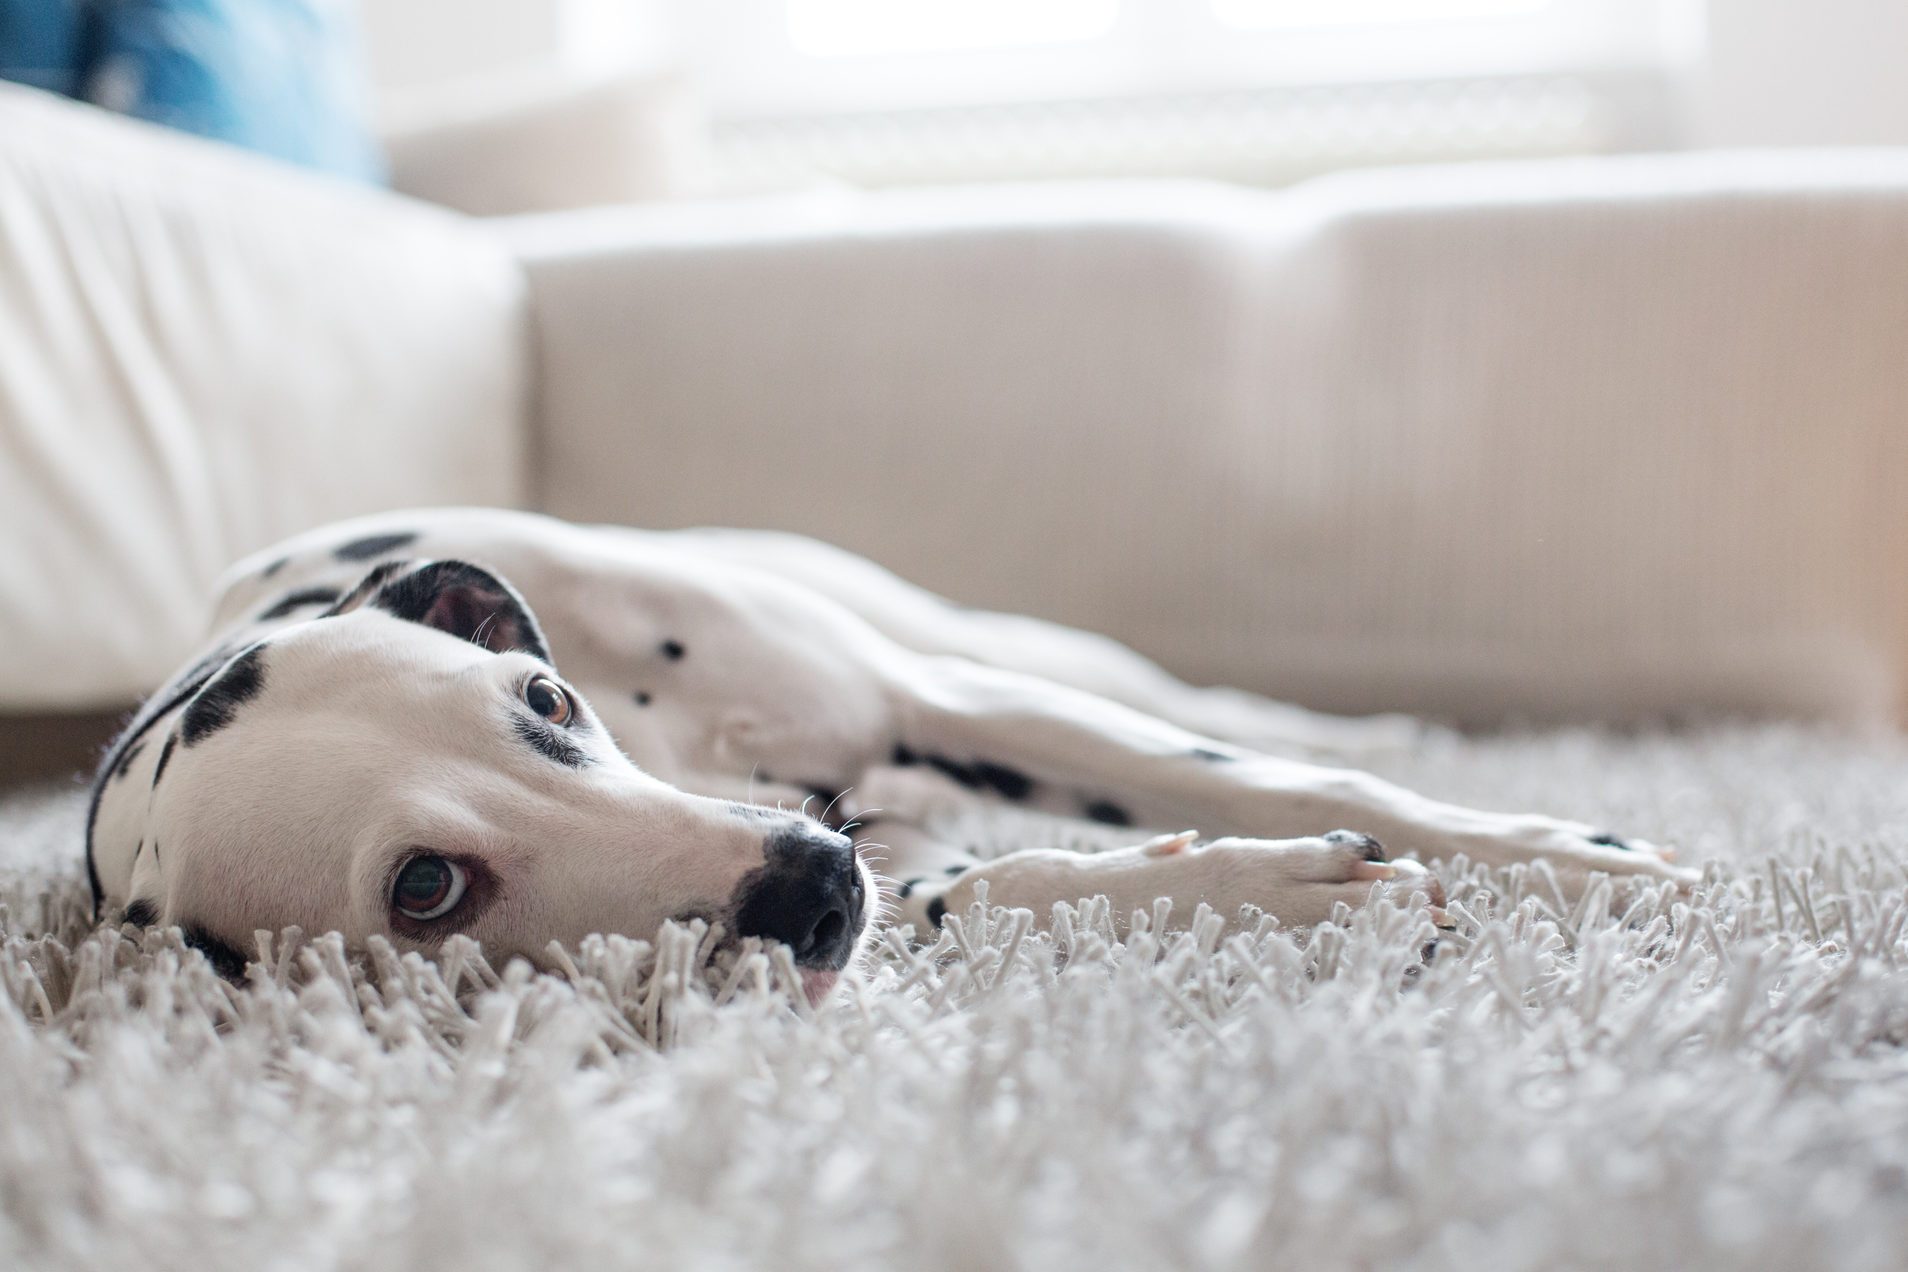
(1330, 13)
(846, 28)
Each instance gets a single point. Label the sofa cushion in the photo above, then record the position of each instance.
(540, 141)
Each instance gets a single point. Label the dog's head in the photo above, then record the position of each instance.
(411, 764)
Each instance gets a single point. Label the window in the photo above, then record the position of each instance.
(829, 28)
(888, 91)
(1330, 13)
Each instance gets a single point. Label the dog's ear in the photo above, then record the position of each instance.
(456, 597)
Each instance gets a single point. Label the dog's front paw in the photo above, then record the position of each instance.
(1298, 881)
(1301, 881)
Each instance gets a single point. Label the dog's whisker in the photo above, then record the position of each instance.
(482, 635)
(839, 795)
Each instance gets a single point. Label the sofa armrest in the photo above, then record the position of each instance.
(1610, 438)
(202, 351)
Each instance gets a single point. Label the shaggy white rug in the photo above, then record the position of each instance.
(1643, 1082)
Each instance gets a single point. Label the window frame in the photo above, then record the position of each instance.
(747, 65)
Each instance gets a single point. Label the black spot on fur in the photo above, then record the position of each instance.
(299, 600)
(953, 870)
(126, 760)
(224, 957)
(824, 795)
(165, 756)
(551, 743)
(1607, 840)
(1368, 848)
(1010, 782)
(216, 705)
(274, 567)
(906, 889)
(936, 911)
(1207, 753)
(374, 546)
(1105, 810)
(673, 649)
(981, 775)
(154, 709)
(142, 913)
(962, 773)
(642, 698)
(903, 756)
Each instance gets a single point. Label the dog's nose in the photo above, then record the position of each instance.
(808, 895)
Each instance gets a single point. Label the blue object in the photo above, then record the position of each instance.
(278, 76)
(43, 43)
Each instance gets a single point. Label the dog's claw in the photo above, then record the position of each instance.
(1416, 878)
(1641, 847)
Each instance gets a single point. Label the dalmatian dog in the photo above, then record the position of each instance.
(503, 725)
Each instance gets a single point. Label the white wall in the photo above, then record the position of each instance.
(415, 42)
(1803, 73)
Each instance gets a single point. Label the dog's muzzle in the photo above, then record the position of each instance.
(809, 895)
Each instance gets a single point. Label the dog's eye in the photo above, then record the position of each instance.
(428, 888)
(548, 699)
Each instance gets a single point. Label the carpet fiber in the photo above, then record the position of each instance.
(1641, 1081)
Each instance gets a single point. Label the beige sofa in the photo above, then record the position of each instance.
(1616, 438)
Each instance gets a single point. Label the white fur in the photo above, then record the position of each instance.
(800, 667)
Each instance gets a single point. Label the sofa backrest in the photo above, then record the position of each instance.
(1614, 438)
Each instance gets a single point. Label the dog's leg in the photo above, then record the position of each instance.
(917, 619)
(1300, 882)
(925, 875)
(1050, 747)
